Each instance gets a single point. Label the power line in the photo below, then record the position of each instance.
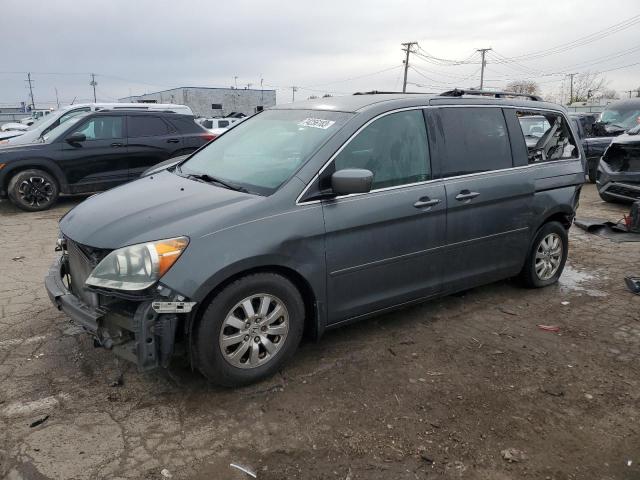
(587, 39)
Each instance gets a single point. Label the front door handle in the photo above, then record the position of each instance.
(466, 195)
(117, 145)
(426, 202)
(173, 140)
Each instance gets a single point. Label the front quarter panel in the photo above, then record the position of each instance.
(292, 237)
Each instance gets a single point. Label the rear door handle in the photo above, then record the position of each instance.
(466, 195)
(173, 140)
(426, 202)
(117, 145)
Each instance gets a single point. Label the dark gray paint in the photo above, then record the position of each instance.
(357, 254)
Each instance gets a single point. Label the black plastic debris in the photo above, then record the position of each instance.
(633, 284)
(40, 421)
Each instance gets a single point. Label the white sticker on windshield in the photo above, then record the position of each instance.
(316, 123)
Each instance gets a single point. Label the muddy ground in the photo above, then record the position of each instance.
(441, 390)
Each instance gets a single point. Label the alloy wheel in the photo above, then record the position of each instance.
(254, 331)
(548, 256)
(36, 191)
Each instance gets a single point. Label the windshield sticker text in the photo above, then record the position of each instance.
(316, 123)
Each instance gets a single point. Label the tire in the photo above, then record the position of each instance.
(226, 349)
(33, 190)
(542, 277)
(593, 171)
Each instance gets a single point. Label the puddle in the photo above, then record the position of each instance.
(574, 280)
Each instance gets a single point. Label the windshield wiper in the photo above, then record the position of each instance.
(203, 177)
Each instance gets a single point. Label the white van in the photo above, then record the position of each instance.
(49, 122)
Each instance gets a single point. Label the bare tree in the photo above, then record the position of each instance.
(528, 87)
(608, 93)
(588, 85)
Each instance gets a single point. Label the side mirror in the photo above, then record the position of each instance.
(351, 180)
(76, 137)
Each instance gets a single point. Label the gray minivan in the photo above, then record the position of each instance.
(311, 215)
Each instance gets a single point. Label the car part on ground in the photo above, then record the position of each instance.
(309, 216)
(633, 284)
(618, 177)
(614, 231)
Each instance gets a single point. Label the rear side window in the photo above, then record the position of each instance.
(144, 126)
(476, 140)
(223, 123)
(393, 147)
(548, 136)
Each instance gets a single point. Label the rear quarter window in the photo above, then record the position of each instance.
(547, 136)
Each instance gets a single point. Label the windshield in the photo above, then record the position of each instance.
(55, 132)
(261, 153)
(623, 117)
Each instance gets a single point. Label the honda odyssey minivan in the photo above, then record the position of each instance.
(312, 215)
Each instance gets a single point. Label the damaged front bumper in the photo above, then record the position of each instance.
(142, 331)
(618, 173)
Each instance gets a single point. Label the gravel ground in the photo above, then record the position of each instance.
(464, 387)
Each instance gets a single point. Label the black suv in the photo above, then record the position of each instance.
(94, 152)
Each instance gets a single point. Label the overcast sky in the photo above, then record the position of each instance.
(139, 46)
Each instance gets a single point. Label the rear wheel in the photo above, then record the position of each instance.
(33, 190)
(547, 256)
(249, 329)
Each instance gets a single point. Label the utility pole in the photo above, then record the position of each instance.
(261, 92)
(33, 103)
(483, 52)
(293, 93)
(57, 101)
(571, 75)
(235, 80)
(93, 83)
(407, 48)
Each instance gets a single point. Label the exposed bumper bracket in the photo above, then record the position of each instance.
(172, 307)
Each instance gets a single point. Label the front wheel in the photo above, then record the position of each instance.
(33, 190)
(249, 329)
(547, 256)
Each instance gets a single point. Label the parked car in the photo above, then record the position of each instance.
(614, 120)
(92, 152)
(13, 126)
(586, 120)
(217, 123)
(312, 215)
(593, 147)
(619, 170)
(57, 117)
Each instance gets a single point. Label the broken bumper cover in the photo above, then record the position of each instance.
(135, 331)
(622, 185)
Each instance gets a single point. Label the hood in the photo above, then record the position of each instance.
(26, 137)
(626, 139)
(11, 134)
(11, 151)
(162, 205)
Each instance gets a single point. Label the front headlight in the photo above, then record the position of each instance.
(137, 267)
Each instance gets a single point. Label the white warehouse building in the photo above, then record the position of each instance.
(211, 101)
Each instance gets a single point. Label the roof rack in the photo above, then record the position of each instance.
(378, 92)
(456, 92)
